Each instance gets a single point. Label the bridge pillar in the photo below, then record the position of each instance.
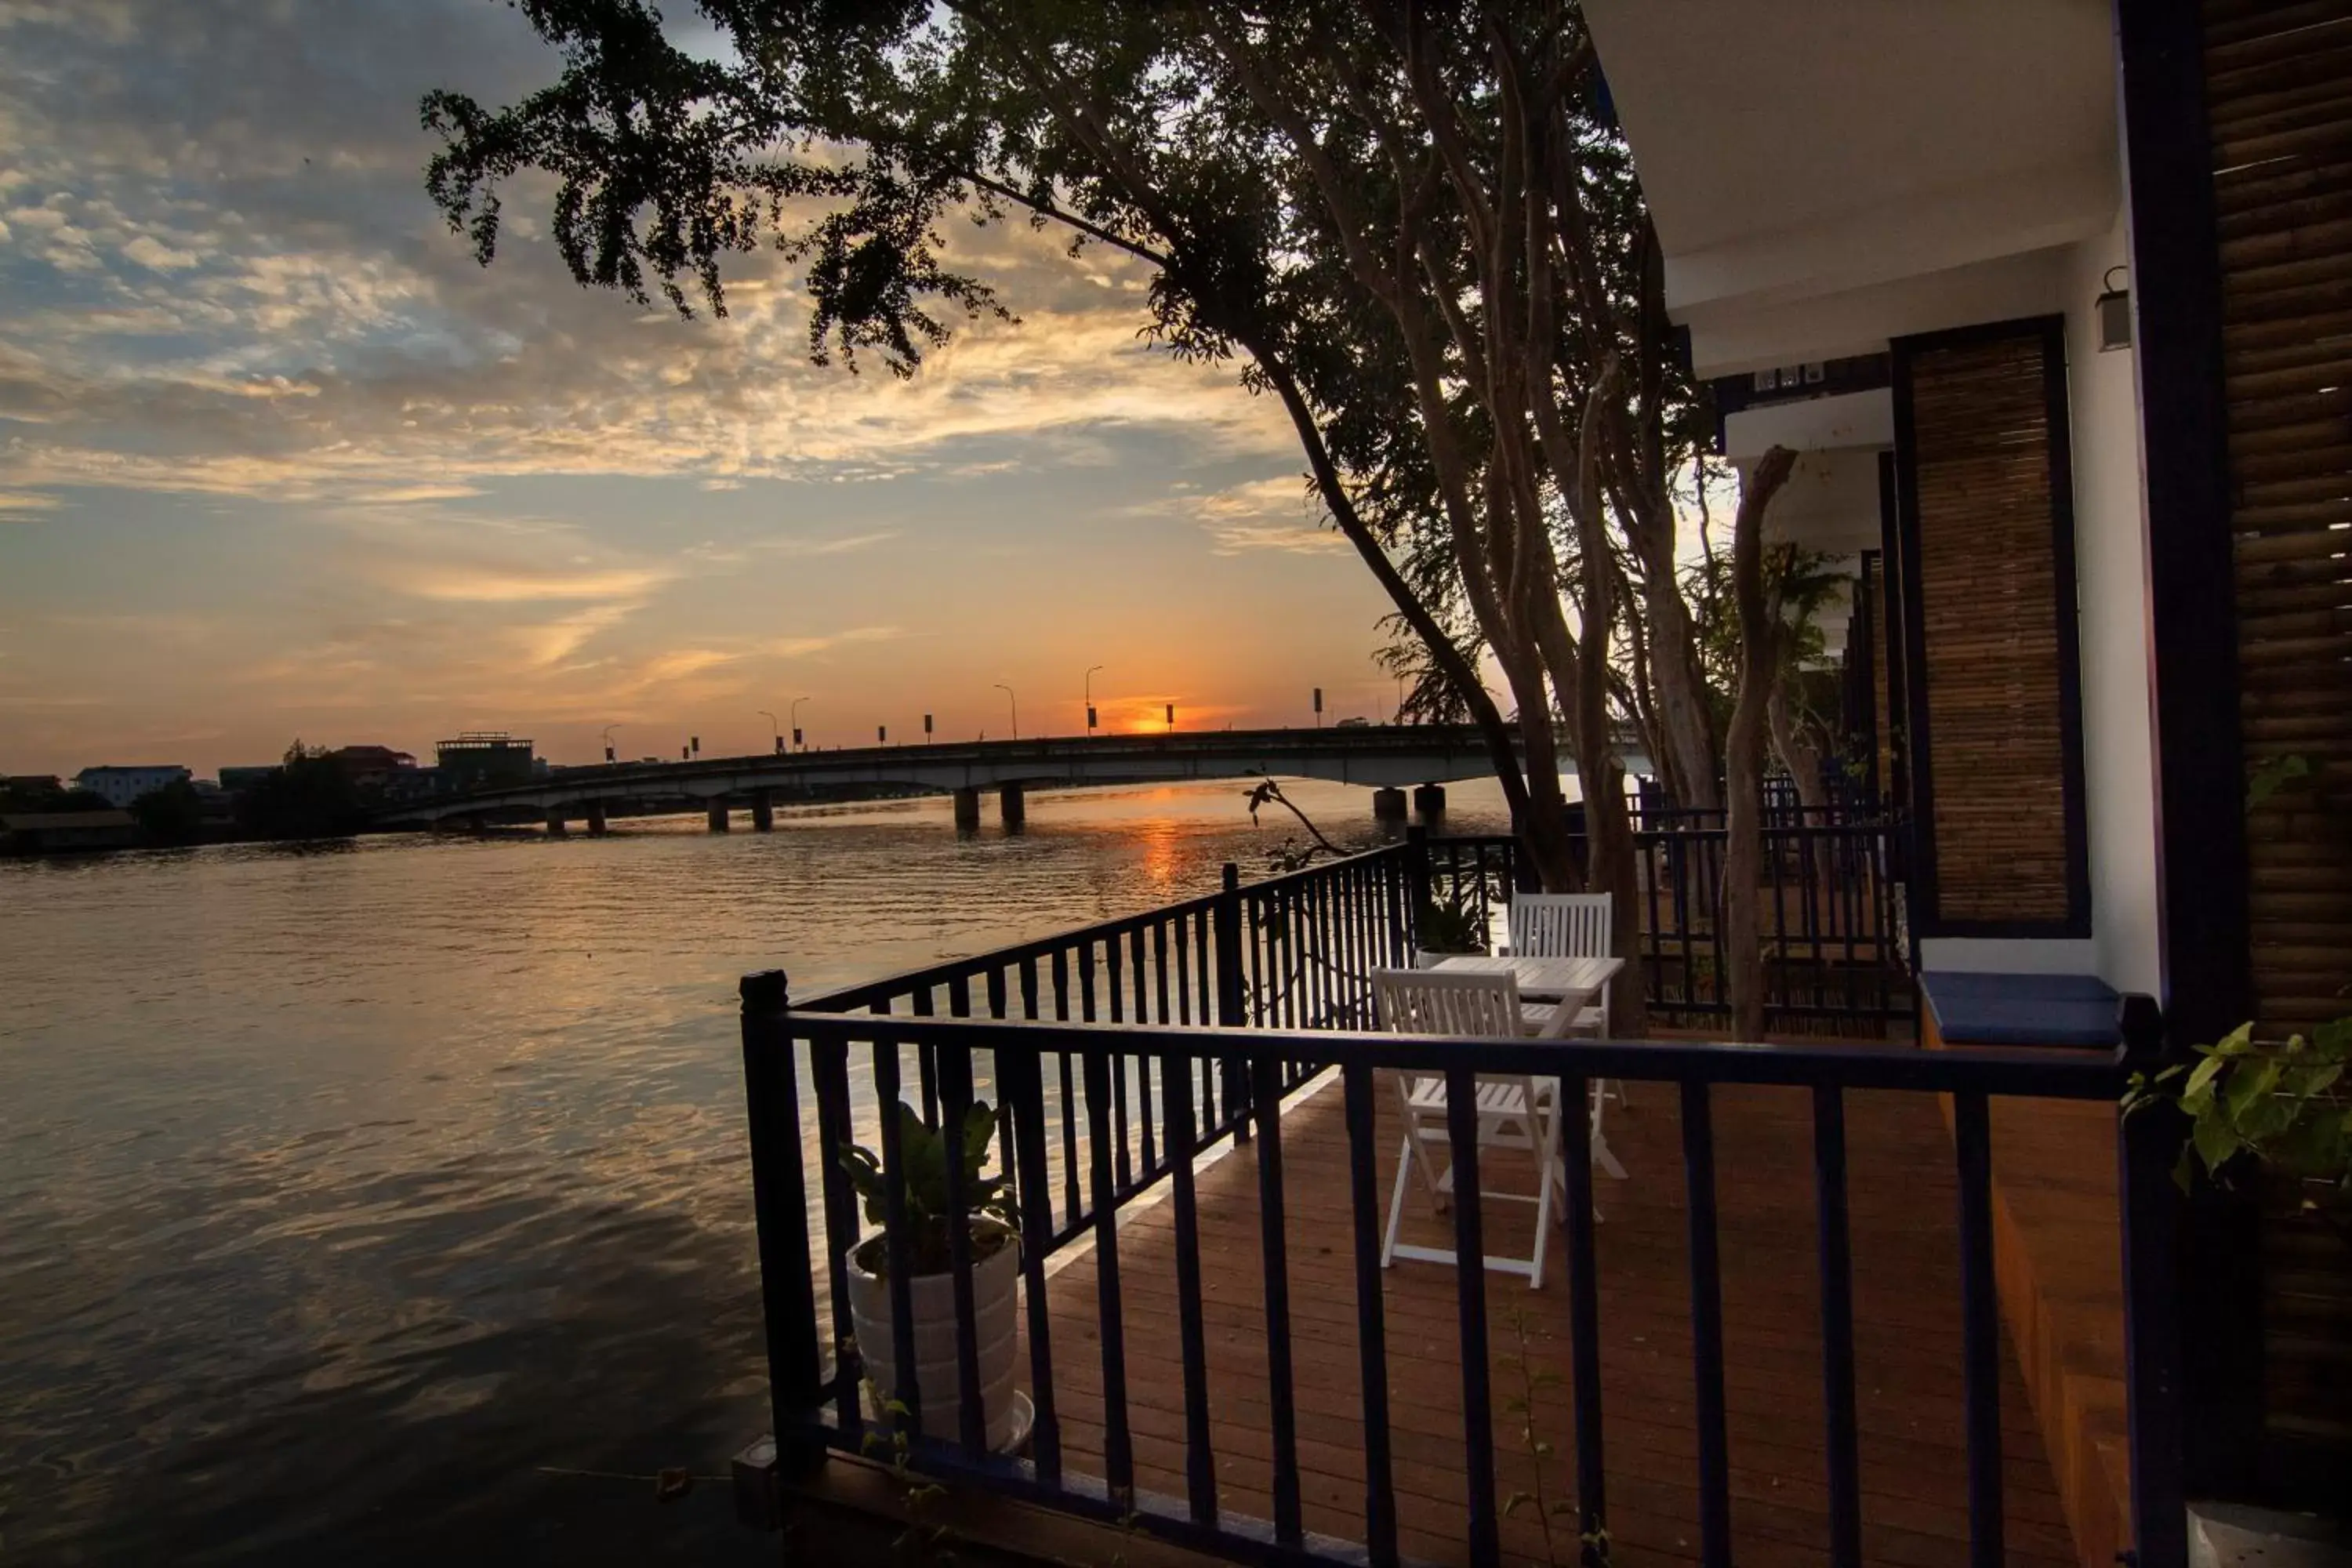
(1388, 805)
(719, 820)
(967, 809)
(1013, 804)
(1430, 800)
(597, 820)
(763, 812)
(557, 826)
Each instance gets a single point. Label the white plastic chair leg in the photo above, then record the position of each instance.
(1543, 1218)
(1396, 1202)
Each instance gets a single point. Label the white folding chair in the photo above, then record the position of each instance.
(1515, 1110)
(1573, 925)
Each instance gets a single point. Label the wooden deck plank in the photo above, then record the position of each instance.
(1907, 1336)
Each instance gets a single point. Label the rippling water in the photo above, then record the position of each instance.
(354, 1199)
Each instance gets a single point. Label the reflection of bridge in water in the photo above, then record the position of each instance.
(1385, 758)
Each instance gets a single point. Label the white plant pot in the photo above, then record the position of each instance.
(997, 1324)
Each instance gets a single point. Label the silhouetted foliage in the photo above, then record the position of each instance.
(1415, 226)
(30, 797)
(172, 814)
(308, 796)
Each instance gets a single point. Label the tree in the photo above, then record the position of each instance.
(1762, 633)
(173, 814)
(1411, 224)
(307, 795)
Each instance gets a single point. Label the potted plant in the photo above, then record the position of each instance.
(989, 1219)
(1447, 929)
(2286, 1106)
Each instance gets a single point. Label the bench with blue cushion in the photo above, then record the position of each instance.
(1991, 1009)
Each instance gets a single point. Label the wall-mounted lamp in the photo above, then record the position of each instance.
(2114, 313)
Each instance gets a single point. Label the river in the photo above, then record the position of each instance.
(386, 1200)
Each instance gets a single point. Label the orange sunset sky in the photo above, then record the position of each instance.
(277, 459)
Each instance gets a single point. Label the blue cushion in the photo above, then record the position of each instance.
(1973, 1009)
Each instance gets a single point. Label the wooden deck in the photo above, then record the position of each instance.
(1906, 1304)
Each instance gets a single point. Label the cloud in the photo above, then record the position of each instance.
(847, 544)
(682, 662)
(550, 643)
(156, 257)
(1279, 514)
(517, 584)
(226, 279)
(801, 648)
(243, 354)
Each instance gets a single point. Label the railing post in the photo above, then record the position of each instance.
(2146, 1144)
(1416, 885)
(1524, 876)
(780, 1204)
(1231, 1014)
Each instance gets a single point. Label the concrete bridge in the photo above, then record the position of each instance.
(1385, 758)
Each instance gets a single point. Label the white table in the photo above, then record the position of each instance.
(1541, 979)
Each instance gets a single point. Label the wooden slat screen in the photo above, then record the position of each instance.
(1994, 788)
(1882, 680)
(2278, 80)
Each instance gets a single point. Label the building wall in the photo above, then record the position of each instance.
(2110, 560)
(2119, 752)
(120, 786)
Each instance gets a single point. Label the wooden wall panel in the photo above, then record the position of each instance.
(2278, 80)
(1995, 715)
(1881, 682)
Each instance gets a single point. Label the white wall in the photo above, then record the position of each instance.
(2110, 567)
(2118, 751)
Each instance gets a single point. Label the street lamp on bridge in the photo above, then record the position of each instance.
(774, 727)
(1016, 703)
(608, 740)
(1090, 698)
(795, 711)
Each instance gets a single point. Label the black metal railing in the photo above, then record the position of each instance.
(1294, 951)
(808, 1216)
(1825, 913)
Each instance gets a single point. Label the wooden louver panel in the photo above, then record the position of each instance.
(1882, 680)
(2278, 83)
(1997, 747)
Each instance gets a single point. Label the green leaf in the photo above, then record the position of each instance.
(2216, 1141)
(2251, 1084)
(2311, 1082)
(2333, 1040)
(2202, 1079)
(2272, 774)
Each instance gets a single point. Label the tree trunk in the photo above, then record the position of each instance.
(1680, 693)
(1743, 858)
(1803, 762)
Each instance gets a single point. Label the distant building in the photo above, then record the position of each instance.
(47, 832)
(119, 786)
(482, 759)
(32, 785)
(373, 767)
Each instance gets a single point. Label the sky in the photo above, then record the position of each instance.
(279, 460)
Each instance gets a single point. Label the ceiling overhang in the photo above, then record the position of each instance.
(1825, 175)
